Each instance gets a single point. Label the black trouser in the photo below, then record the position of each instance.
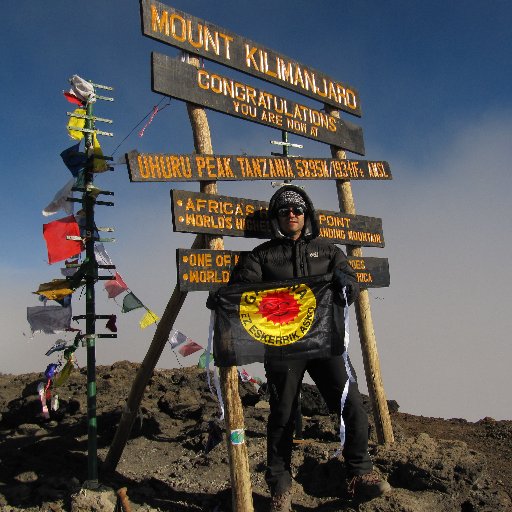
(284, 379)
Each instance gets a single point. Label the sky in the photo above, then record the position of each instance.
(434, 81)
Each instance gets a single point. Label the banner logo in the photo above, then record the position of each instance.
(279, 316)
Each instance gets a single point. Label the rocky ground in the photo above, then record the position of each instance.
(434, 465)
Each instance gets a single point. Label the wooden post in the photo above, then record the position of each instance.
(364, 318)
(241, 491)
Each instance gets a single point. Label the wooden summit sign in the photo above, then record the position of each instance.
(208, 269)
(172, 167)
(203, 38)
(194, 212)
(212, 90)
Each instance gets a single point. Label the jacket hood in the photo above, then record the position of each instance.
(311, 229)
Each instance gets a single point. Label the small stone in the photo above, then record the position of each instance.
(26, 477)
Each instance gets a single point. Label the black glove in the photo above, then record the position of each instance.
(212, 301)
(342, 280)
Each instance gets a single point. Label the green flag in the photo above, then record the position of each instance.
(130, 302)
(202, 360)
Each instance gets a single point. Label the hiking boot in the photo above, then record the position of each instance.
(281, 502)
(369, 485)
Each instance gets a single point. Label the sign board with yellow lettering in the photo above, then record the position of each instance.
(212, 90)
(208, 269)
(194, 212)
(207, 40)
(172, 167)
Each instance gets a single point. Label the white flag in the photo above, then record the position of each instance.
(59, 202)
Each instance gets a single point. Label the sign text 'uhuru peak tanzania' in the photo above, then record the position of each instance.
(144, 167)
(203, 38)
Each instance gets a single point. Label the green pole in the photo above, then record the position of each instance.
(284, 138)
(90, 309)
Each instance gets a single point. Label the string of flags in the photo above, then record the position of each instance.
(65, 240)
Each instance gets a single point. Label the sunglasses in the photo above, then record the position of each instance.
(285, 211)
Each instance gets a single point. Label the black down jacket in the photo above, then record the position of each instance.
(283, 258)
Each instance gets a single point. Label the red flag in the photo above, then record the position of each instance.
(111, 324)
(115, 286)
(72, 98)
(59, 248)
(189, 348)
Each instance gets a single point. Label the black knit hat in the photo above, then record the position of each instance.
(290, 198)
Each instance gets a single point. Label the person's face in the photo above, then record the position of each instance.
(291, 221)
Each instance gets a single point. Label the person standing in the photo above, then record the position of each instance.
(296, 251)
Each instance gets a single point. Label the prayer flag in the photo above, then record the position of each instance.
(82, 89)
(246, 377)
(64, 374)
(130, 302)
(76, 122)
(115, 286)
(202, 360)
(99, 163)
(59, 248)
(292, 318)
(74, 159)
(69, 271)
(102, 258)
(49, 319)
(55, 290)
(57, 347)
(148, 319)
(72, 98)
(60, 202)
(65, 301)
(177, 338)
(111, 324)
(189, 348)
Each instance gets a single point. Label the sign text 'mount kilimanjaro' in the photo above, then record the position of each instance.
(173, 167)
(212, 90)
(194, 212)
(203, 38)
(208, 269)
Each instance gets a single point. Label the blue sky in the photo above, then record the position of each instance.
(434, 81)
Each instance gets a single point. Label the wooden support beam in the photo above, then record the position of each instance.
(241, 490)
(364, 320)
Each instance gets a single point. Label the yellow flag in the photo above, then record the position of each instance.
(64, 374)
(76, 122)
(148, 319)
(100, 165)
(55, 290)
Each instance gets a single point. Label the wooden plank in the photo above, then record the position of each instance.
(229, 96)
(194, 212)
(147, 167)
(208, 270)
(200, 37)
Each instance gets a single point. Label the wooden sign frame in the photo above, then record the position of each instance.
(196, 36)
(148, 167)
(220, 93)
(208, 269)
(194, 212)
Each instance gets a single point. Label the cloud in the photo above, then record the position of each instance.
(442, 327)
